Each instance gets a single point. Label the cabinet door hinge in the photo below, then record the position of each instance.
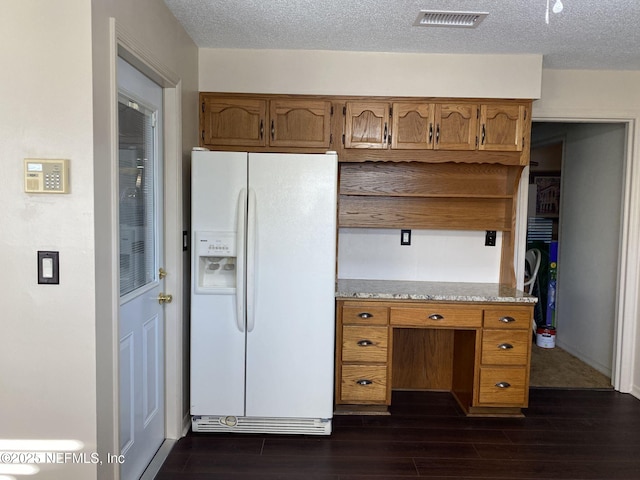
(477, 113)
(331, 112)
(203, 136)
(389, 141)
(202, 107)
(344, 110)
(330, 138)
(343, 138)
(391, 112)
(476, 141)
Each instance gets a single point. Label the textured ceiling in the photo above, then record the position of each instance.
(587, 34)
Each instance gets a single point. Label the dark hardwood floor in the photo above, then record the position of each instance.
(566, 434)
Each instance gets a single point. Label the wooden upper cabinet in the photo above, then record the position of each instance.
(228, 121)
(412, 126)
(456, 126)
(242, 121)
(367, 125)
(300, 123)
(502, 127)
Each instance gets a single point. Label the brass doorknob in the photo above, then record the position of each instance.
(164, 298)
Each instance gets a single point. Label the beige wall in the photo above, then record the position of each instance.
(47, 343)
(55, 104)
(365, 73)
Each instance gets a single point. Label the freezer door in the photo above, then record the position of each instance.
(217, 339)
(290, 285)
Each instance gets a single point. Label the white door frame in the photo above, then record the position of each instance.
(124, 45)
(628, 300)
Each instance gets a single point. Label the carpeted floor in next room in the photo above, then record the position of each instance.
(556, 368)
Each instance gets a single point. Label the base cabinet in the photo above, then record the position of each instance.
(487, 349)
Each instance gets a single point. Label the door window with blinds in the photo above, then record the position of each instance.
(137, 194)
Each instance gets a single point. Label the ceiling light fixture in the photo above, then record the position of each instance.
(557, 8)
(434, 18)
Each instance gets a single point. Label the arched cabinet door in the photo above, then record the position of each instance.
(229, 121)
(501, 127)
(456, 126)
(367, 125)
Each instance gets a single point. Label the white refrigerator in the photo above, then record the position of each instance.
(262, 295)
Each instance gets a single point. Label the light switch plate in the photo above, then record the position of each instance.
(48, 268)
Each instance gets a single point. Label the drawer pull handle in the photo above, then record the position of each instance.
(436, 316)
(365, 343)
(365, 315)
(503, 384)
(505, 346)
(364, 382)
(507, 319)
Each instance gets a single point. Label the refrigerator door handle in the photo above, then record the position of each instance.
(240, 258)
(252, 260)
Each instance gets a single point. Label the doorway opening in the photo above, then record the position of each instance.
(576, 187)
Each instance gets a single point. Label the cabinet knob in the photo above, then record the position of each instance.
(505, 346)
(503, 384)
(365, 343)
(364, 382)
(436, 316)
(365, 315)
(507, 319)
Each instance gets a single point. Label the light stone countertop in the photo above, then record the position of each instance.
(435, 291)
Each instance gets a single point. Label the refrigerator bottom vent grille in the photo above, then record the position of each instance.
(302, 426)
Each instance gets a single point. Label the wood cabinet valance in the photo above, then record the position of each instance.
(432, 130)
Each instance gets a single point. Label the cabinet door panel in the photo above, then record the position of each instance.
(367, 125)
(412, 126)
(300, 123)
(456, 126)
(501, 127)
(233, 122)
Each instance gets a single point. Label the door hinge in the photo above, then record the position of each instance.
(391, 112)
(343, 138)
(344, 110)
(202, 136)
(389, 140)
(202, 107)
(477, 113)
(331, 112)
(330, 138)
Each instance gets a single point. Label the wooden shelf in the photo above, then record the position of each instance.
(447, 213)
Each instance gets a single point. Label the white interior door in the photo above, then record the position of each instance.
(141, 319)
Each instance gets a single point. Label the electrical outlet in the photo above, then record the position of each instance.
(490, 238)
(405, 237)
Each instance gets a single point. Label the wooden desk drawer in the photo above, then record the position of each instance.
(364, 344)
(435, 316)
(503, 386)
(363, 314)
(364, 383)
(505, 347)
(508, 318)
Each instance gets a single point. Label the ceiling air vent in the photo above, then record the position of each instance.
(432, 18)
